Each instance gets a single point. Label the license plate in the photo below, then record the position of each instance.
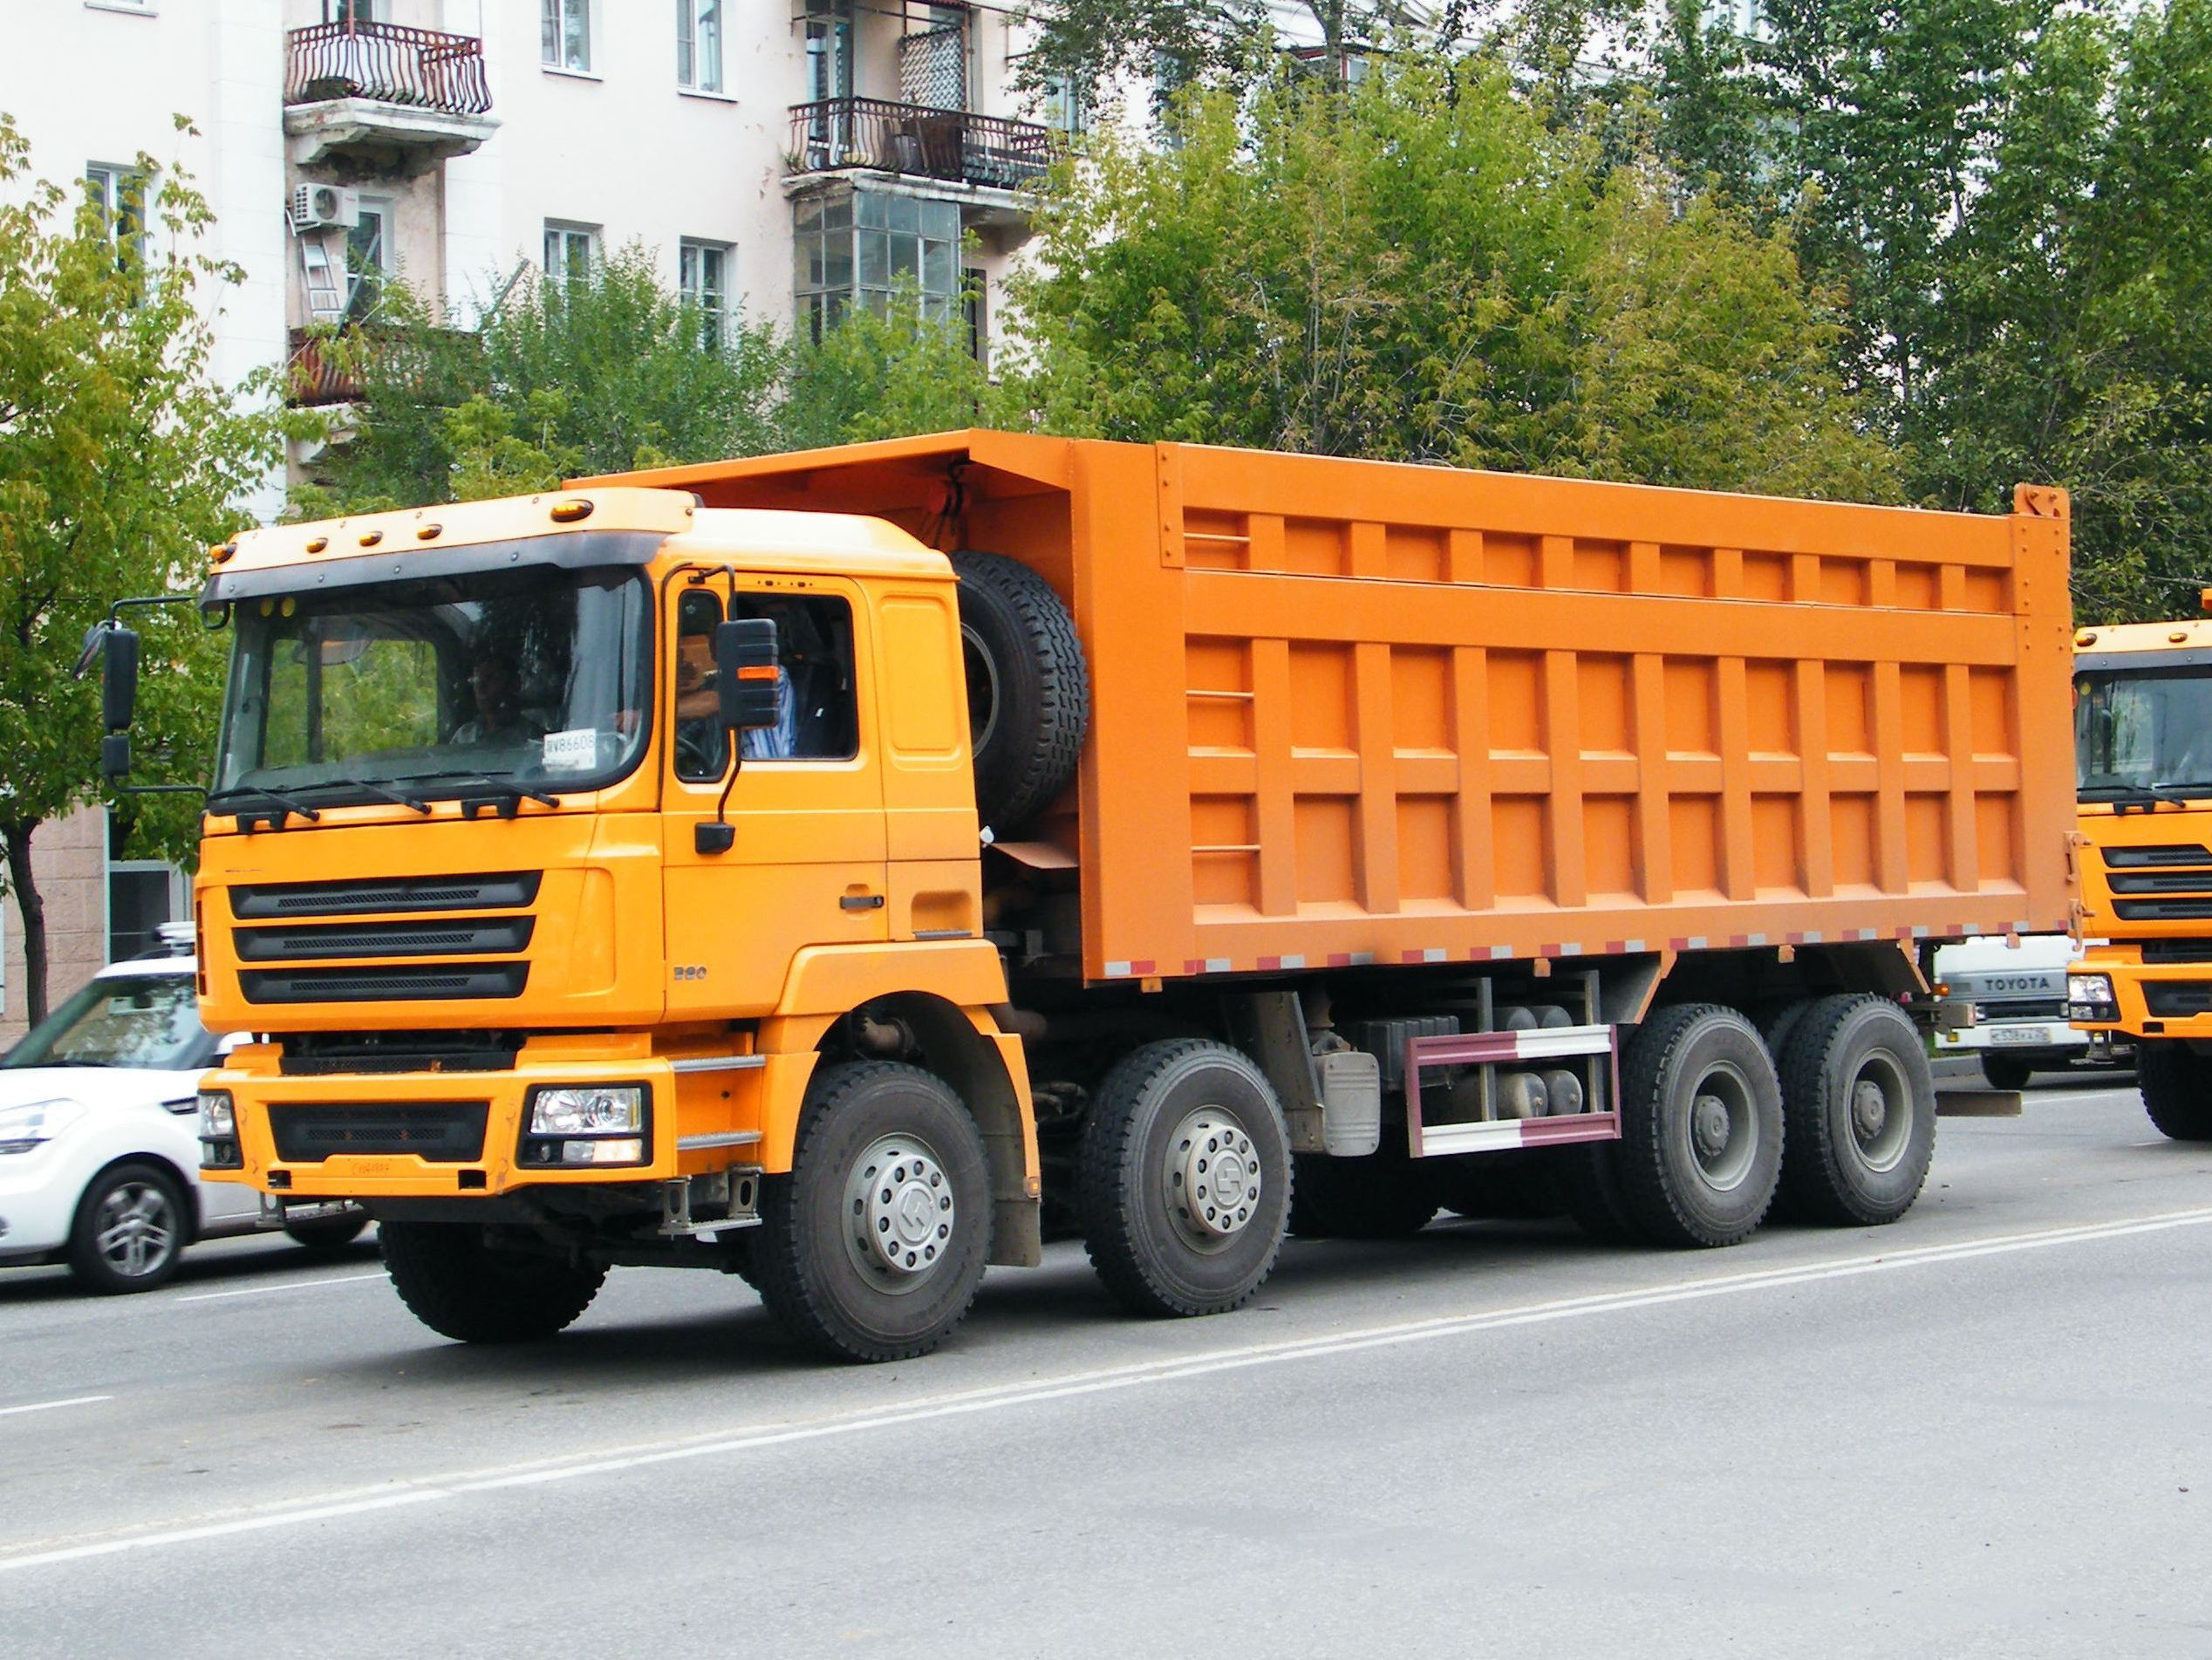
(2001, 1035)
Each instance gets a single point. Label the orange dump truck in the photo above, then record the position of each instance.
(846, 869)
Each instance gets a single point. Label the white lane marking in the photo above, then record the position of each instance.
(48, 1406)
(339, 1505)
(288, 1285)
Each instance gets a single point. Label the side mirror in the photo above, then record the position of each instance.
(746, 673)
(118, 676)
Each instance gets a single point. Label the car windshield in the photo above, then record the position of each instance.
(121, 1020)
(534, 679)
(2144, 731)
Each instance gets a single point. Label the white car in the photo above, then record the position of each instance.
(100, 1150)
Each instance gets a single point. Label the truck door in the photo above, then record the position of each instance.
(808, 865)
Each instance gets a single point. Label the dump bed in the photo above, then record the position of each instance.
(1348, 711)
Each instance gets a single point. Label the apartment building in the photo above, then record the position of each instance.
(790, 160)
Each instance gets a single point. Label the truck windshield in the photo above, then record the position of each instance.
(533, 679)
(2144, 733)
(121, 1020)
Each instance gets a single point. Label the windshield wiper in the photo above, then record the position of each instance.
(286, 802)
(379, 790)
(506, 787)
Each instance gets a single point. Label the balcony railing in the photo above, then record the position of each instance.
(390, 64)
(311, 379)
(913, 139)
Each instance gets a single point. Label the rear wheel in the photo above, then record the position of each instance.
(2176, 1083)
(2004, 1071)
(1184, 1178)
(1860, 1109)
(1701, 1132)
(130, 1229)
(873, 1247)
(456, 1281)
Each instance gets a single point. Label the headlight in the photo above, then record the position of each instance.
(217, 1117)
(589, 1112)
(24, 1128)
(2089, 988)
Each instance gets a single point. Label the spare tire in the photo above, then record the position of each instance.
(1028, 690)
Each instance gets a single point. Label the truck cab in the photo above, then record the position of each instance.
(2143, 746)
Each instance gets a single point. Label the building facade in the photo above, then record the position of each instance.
(788, 160)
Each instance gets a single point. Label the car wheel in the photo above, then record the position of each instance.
(130, 1230)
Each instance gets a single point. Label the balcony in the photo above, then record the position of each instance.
(312, 381)
(987, 153)
(379, 96)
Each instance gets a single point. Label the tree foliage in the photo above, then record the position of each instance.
(121, 459)
(1425, 268)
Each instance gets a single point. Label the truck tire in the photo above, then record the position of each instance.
(328, 1233)
(461, 1286)
(1589, 1178)
(131, 1229)
(871, 1247)
(1028, 690)
(1860, 1110)
(1383, 1196)
(1182, 1181)
(2176, 1083)
(2004, 1071)
(1700, 1152)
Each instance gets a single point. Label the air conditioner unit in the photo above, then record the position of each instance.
(320, 206)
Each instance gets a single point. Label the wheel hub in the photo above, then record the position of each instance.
(1212, 1176)
(136, 1232)
(1709, 1126)
(1869, 1110)
(899, 1201)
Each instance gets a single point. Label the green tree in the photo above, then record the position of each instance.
(121, 459)
(1426, 269)
(595, 373)
(887, 376)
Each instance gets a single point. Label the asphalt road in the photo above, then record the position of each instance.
(1981, 1432)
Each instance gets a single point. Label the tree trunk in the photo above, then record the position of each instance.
(16, 838)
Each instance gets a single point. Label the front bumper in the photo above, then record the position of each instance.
(2024, 1037)
(704, 1116)
(2155, 1000)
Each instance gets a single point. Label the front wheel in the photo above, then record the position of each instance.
(2004, 1071)
(2176, 1083)
(1701, 1127)
(462, 1285)
(1184, 1178)
(873, 1247)
(130, 1230)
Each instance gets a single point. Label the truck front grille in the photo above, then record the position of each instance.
(440, 1132)
(2164, 910)
(463, 937)
(472, 980)
(2173, 855)
(499, 890)
(2177, 998)
(2177, 951)
(2023, 1008)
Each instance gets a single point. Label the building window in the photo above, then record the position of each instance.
(1066, 110)
(368, 259)
(861, 247)
(564, 35)
(351, 11)
(571, 251)
(120, 192)
(702, 272)
(699, 45)
(829, 50)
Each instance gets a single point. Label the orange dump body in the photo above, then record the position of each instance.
(1348, 711)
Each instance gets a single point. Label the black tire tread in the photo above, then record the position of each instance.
(1109, 1234)
(1027, 782)
(2176, 1086)
(2004, 1071)
(1818, 1189)
(775, 1268)
(1646, 1196)
(444, 1273)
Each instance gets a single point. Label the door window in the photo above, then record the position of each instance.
(818, 709)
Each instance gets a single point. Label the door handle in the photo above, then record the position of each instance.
(862, 901)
